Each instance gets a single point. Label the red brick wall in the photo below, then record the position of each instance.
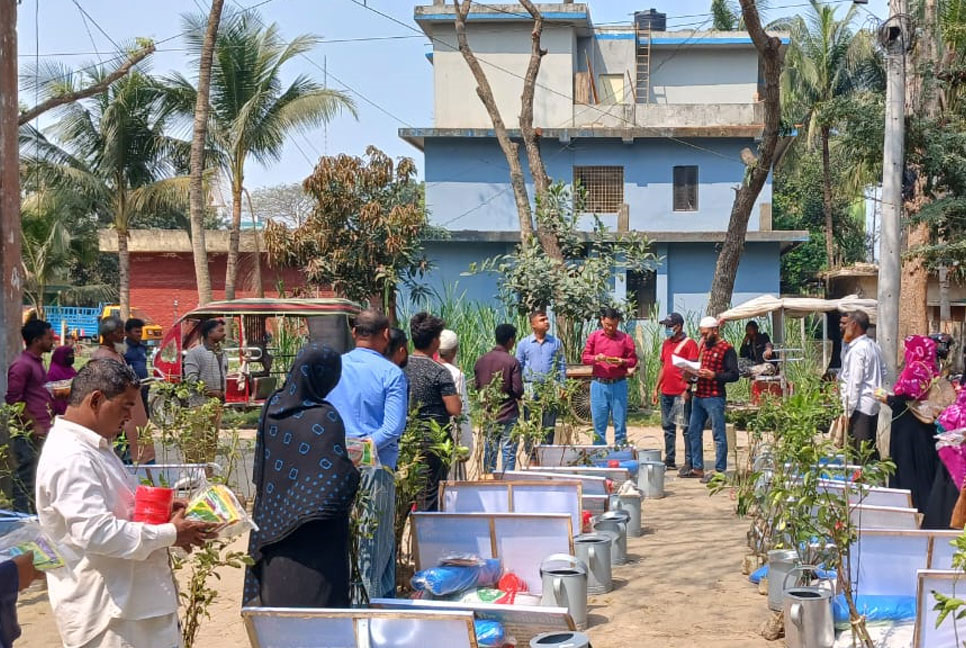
(163, 284)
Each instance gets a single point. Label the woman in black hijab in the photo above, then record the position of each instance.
(305, 484)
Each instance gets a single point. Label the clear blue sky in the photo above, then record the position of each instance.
(391, 73)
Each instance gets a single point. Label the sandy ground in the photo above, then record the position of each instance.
(683, 587)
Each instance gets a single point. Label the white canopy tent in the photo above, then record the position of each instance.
(780, 307)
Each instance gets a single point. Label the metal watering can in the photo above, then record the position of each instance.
(631, 504)
(565, 585)
(561, 640)
(650, 479)
(808, 614)
(594, 550)
(614, 525)
(781, 562)
(649, 455)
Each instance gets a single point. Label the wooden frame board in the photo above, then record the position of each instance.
(523, 622)
(884, 517)
(590, 485)
(538, 496)
(870, 495)
(358, 628)
(904, 551)
(926, 634)
(617, 475)
(520, 540)
(576, 455)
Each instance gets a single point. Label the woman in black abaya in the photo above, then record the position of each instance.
(305, 485)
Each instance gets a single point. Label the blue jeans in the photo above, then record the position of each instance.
(701, 410)
(377, 554)
(507, 446)
(671, 429)
(609, 400)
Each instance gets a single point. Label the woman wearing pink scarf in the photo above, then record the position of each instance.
(912, 445)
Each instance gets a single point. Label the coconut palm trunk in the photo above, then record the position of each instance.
(234, 239)
(124, 273)
(197, 163)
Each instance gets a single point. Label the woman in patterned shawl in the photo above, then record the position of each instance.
(305, 484)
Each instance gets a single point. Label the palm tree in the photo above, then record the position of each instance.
(48, 218)
(826, 61)
(115, 153)
(726, 14)
(252, 112)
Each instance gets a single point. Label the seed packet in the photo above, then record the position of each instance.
(29, 537)
(363, 453)
(218, 504)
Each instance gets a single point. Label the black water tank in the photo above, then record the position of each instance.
(651, 20)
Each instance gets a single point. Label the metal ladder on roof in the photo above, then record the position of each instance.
(642, 42)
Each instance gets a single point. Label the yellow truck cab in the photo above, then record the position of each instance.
(151, 334)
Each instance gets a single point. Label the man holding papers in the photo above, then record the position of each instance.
(719, 366)
(673, 390)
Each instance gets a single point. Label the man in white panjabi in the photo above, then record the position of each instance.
(117, 589)
(449, 345)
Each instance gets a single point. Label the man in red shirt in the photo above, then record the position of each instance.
(719, 366)
(25, 384)
(672, 385)
(612, 355)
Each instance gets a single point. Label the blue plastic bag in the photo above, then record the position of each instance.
(630, 465)
(448, 579)
(875, 608)
(489, 634)
(756, 576)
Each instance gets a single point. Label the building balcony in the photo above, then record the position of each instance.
(721, 120)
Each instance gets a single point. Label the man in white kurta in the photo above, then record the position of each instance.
(117, 590)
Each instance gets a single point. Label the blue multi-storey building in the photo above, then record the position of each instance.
(653, 123)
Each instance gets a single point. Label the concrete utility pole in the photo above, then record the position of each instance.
(11, 298)
(895, 40)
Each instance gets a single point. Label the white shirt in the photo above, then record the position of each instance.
(465, 429)
(116, 569)
(862, 372)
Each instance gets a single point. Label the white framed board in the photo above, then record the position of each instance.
(927, 635)
(493, 496)
(905, 553)
(520, 540)
(358, 628)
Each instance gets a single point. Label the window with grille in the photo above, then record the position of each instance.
(642, 289)
(685, 188)
(604, 187)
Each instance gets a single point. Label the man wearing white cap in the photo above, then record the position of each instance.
(719, 366)
(449, 345)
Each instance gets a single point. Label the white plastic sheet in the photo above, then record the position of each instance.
(490, 496)
(927, 635)
(589, 485)
(884, 517)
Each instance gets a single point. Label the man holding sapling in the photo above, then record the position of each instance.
(117, 588)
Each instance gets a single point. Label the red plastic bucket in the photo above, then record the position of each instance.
(152, 505)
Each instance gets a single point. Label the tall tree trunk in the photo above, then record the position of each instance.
(726, 269)
(827, 199)
(511, 149)
(124, 273)
(922, 98)
(11, 282)
(197, 161)
(234, 239)
(257, 269)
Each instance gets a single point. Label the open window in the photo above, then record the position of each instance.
(685, 188)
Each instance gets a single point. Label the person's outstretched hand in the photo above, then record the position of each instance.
(26, 572)
(192, 533)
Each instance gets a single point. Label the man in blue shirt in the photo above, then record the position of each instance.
(372, 397)
(136, 353)
(542, 360)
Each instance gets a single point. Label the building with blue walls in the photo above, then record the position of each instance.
(654, 125)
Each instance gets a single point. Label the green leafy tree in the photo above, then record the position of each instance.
(827, 59)
(114, 152)
(252, 112)
(530, 279)
(364, 235)
(726, 14)
(51, 242)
